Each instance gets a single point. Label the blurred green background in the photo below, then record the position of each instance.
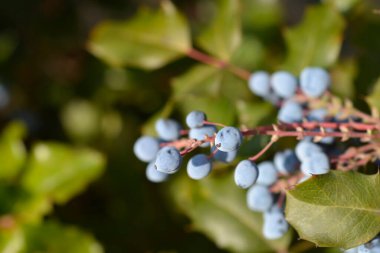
(63, 93)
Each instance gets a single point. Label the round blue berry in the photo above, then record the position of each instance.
(199, 166)
(168, 129)
(372, 246)
(317, 115)
(195, 119)
(225, 157)
(153, 175)
(259, 198)
(146, 148)
(228, 139)
(259, 83)
(314, 81)
(246, 174)
(316, 164)
(200, 133)
(168, 160)
(267, 173)
(286, 162)
(275, 225)
(290, 112)
(305, 148)
(284, 84)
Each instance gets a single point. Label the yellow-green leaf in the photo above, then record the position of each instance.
(223, 34)
(149, 40)
(59, 172)
(316, 41)
(338, 209)
(56, 238)
(12, 151)
(218, 208)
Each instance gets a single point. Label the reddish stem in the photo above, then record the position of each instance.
(220, 64)
(265, 149)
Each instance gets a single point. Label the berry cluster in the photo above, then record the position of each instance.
(306, 111)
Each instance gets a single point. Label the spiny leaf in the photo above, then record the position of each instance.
(218, 208)
(223, 35)
(316, 41)
(149, 40)
(338, 209)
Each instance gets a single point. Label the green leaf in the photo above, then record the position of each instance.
(60, 172)
(12, 151)
(251, 114)
(343, 79)
(11, 240)
(217, 208)
(149, 40)
(374, 99)
(261, 14)
(223, 34)
(55, 238)
(338, 209)
(211, 90)
(316, 41)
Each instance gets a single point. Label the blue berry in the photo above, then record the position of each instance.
(146, 148)
(259, 198)
(290, 112)
(284, 84)
(246, 174)
(317, 115)
(228, 139)
(168, 129)
(195, 119)
(225, 157)
(372, 246)
(305, 148)
(199, 166)
(314, 81)
(273, 99)
(200, 133)
(154, 175)
(286, 162)
(168, 160)
(267, 173)
(275, 225)
(316, 164)
(259, 84)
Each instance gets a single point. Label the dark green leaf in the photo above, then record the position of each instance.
(338, 209)
(60, 172)
(149, 40)
(316, 41)
(223, 34)
(217, 208)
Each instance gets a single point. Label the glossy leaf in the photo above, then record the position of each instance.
(149, 40)
(60, 172)
(217, 208)
(53, 237)
(338, 209)
(316, 41)
(223, 34)
(12, 151)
